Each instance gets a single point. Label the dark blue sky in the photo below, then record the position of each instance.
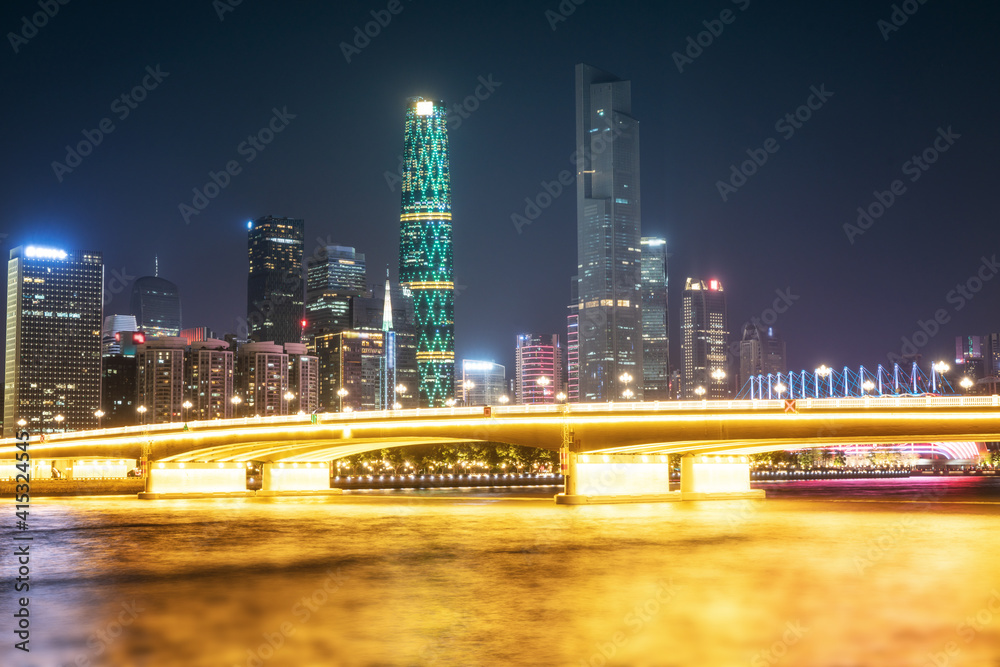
(782, 229)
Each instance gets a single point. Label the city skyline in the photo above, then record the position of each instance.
(719, 108)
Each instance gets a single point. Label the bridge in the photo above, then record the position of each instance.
(610, 451)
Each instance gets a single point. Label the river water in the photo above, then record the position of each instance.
(831, 573)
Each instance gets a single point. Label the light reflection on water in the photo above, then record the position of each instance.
(415, 578)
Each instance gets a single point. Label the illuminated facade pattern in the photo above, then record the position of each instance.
(655, 320)
(333, 279)
(160, 362)
(211, 374)
(156, 305)
(425, 250)
(53, 356)
(608, 205)
(538, 369)
(275, 294)
(704, 333)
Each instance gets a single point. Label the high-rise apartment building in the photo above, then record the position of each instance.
(262, 379)
(53, 353)
(762, 352)
(425, 249)
(160, 381)
(156, 305)
(303, 379)
(275, 294)
(211, 369)
(573, 344)
(538, 369)
(655, 320)
(608, 205)
(704, 332)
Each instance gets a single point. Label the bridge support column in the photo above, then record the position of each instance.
(711, 477)
(617, 478)
(195, 480)
(296, 479)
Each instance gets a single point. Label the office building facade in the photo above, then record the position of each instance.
(608, 236)
(156, 306)
(538, 375)
(655, 320)
(275, 289)
(333, 279)
(704, 335)
(53, 353)
(425, 249)
(762, 352)
(482, 383)
(211, 377)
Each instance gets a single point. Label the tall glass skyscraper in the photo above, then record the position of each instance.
(333, 279)
(704, 336)
(156, 305)
(425, 252)
(53, 356)
(275, 294)
(655, 321)
(608, 233)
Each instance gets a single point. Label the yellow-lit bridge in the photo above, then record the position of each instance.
(626, 441)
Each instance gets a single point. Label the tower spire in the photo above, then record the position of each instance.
(387, 306)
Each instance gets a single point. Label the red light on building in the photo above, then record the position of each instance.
(138, 337)
(303, 324)
(118, 336)
(713, 285)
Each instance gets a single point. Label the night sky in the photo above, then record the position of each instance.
(781, 230)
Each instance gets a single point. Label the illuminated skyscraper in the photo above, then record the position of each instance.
(333, 279)
(762, 352)
(538, 369)
(655, 321)
(425, 251)
(53, 356)
(704, 333)
(275, 294)
(608, 231)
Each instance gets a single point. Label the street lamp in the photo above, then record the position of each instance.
(341, 392)
(21, 422)
(142, 413)
(867, 385)
(236, 400)
(823, 372)
(504, 399)
(966, 383)
(780, 388)
(187, 406)
(560, 397)
(99, 413)
(627, 393)
(450, 402)
(59, 420)
(397, 405)
(700, 391)
(466, 387)
(940, 368)
(718, 374)
(288, 397)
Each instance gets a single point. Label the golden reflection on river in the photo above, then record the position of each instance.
(496, 580)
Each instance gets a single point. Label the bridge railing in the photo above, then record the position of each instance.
(910, 402)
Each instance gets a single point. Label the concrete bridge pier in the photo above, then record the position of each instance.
(195, 480)
(297, 479)
(716, 477)
(616, 478)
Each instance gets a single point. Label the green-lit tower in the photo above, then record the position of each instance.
(425, 255)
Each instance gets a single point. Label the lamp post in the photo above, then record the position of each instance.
(780, 389)
(187, 406)
(21, 422)
(288, 398)
(466, 387)
(626, 378)
(823, 372)
(867, 386)
(940, 368)
(59, 420)
(561, 397)
(400, 391)
(341, 393)
(966, 384)
(504, 399)
(99, 413)
(236, 400)
(142, 414)
(700, 391)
